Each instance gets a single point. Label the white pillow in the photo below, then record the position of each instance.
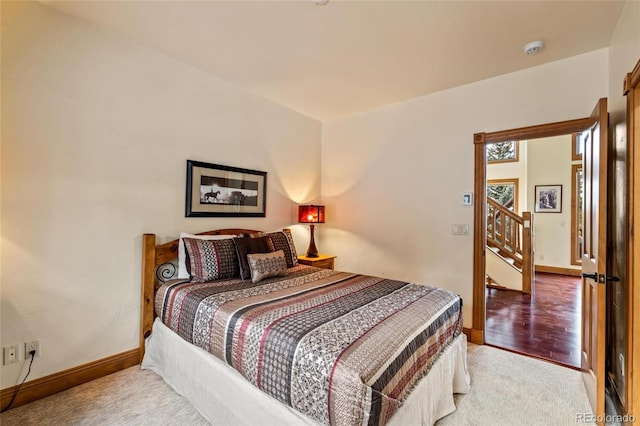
(182, 254)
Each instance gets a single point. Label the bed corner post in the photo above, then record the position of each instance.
(148, 287)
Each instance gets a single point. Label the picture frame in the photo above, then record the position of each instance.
(214, 190)
(548, 199)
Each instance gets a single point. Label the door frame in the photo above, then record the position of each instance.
(632, 91)
(479, 217)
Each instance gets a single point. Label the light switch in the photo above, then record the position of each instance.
(460, 229)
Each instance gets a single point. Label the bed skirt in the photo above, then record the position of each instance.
(224, 397)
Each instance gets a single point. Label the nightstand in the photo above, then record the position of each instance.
(322, 261)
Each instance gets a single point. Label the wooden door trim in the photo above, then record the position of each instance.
(480, 187)
(536, 132)
(632, 91)
(631, 81)
(479, 240)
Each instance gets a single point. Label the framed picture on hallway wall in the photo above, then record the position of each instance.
(215, 190)
(548, 199)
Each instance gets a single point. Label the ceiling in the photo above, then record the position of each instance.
(351, 56)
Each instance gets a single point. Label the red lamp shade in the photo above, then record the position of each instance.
(311, 214)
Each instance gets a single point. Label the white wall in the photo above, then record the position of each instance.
(502, 273)
(96, 132)
(393, 178)
(624, 53)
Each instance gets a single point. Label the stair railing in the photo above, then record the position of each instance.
(511, 235)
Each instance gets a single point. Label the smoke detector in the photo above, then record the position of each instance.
(320, 2)
(533, 47)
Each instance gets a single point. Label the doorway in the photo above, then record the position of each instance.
(595, 266)
(534, 177)
(477, 334)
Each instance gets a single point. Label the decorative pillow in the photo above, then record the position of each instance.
(182, 255)
(265, 265)
(245, 246)
(283, 240)
(210, 260)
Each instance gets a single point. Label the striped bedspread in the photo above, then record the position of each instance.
(343, 349)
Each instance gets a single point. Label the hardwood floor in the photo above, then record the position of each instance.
(546, 327)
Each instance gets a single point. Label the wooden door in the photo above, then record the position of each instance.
(632, 92)
(594, 258)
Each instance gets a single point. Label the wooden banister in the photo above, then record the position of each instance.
(511, 235)
(527, 253)
(504, 228)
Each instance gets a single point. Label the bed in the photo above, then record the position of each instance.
(274, 342)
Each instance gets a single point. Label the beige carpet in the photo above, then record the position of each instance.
(510, 389)
(506, 389)
(128, 397)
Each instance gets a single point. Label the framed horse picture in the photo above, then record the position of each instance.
(216, 190)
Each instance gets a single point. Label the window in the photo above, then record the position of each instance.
(576, 147)
(501, 227)
(577, 192)
(504, 192)
(502, 152)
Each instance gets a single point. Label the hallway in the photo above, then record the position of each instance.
(547, 327)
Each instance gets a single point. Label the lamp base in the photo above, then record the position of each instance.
(312, 251)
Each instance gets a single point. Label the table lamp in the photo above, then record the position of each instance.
(311, 214)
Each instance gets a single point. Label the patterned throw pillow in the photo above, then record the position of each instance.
(265, 265)
(182, 253)
(210, 260)
(283, 240)
(245, 246)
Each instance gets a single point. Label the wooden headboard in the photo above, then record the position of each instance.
(154, 256)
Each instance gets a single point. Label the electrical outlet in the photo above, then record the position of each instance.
(10, 354)
(33, 345)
